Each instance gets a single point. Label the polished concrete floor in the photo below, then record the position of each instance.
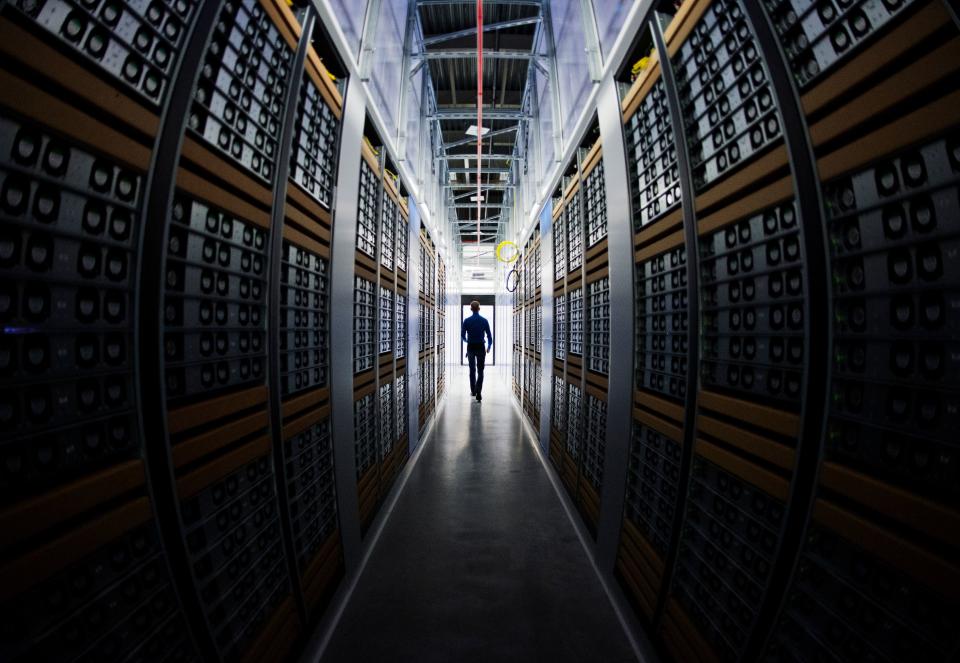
(478, 561)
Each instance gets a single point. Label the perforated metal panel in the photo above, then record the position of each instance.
(595, 204)
(560, 326)
(368, 210)
(816, 37)
(422, 327)
(575, 302)
(752, 308)
(730, 536)
(401, 320)
(559, 245)
(558, 412)
(364, 320)
(652, 158)
(387, 420)
(232, 532)
(661, 324)
(886, 613)
(429, 328)
(598, 342)
(116, 602)
(538, 327)
(311, 490)
(313, 160)
(365, 433)
(725, 94)
(895, 233)
(535, 397)
(653, 474)
(304, 320)
(538, 267)
(574, 226)
(575, 420)
(401, 244)
(67, 262)
(530, 322)
(422, 274)
(517, 369)
(517, 330)
(595, 441)
(400, 394)
(136, 44)
(387, 311)
(214, 301)
(388, 231)
(238, 101)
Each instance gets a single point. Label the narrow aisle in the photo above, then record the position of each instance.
(478, 561)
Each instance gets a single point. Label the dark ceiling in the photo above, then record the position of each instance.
(450, 43)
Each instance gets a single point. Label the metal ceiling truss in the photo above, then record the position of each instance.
(485, 157)
(520, 3)
(471, 114)
(466, 54)
(468, 171)
(492, 227)
(472, 139)
(488, 27)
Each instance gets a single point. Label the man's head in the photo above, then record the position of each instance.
(475, 306)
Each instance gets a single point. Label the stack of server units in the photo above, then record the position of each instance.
(581, 292)
(167, 175)
(792, 488)
(529, 314)
(441, 342)
(428, 328)
(517, 322)
(379, 334)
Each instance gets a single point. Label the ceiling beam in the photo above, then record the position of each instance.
(471, 114)
(485, 157)
(492, 186)
(487, 27)
(473, 139)
(495, 171)
(472, 192)
(471, 54)
(524, 3)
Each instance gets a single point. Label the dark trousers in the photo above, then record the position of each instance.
(476, 355)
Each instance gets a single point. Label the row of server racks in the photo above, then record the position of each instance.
(581, 336)
(527, 318)
(431, 296)
(380, 324)
(167, 191)
(791, 483)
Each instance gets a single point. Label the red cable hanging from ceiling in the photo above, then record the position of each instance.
(479, 117)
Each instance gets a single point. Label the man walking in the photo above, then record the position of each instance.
(472, 332)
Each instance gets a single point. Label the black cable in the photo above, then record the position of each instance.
(515, 283)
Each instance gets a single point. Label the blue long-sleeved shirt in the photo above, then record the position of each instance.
(473, 329)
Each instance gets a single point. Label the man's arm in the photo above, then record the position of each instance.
(486, 329)
(463, 331)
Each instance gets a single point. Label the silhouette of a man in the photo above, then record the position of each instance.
(472, 332)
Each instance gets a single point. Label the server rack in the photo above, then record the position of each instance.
(379, 347)
(581, 331)
(154, 254)
(430, 354)
(528, 331)
(793, 181)
(441, 338)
